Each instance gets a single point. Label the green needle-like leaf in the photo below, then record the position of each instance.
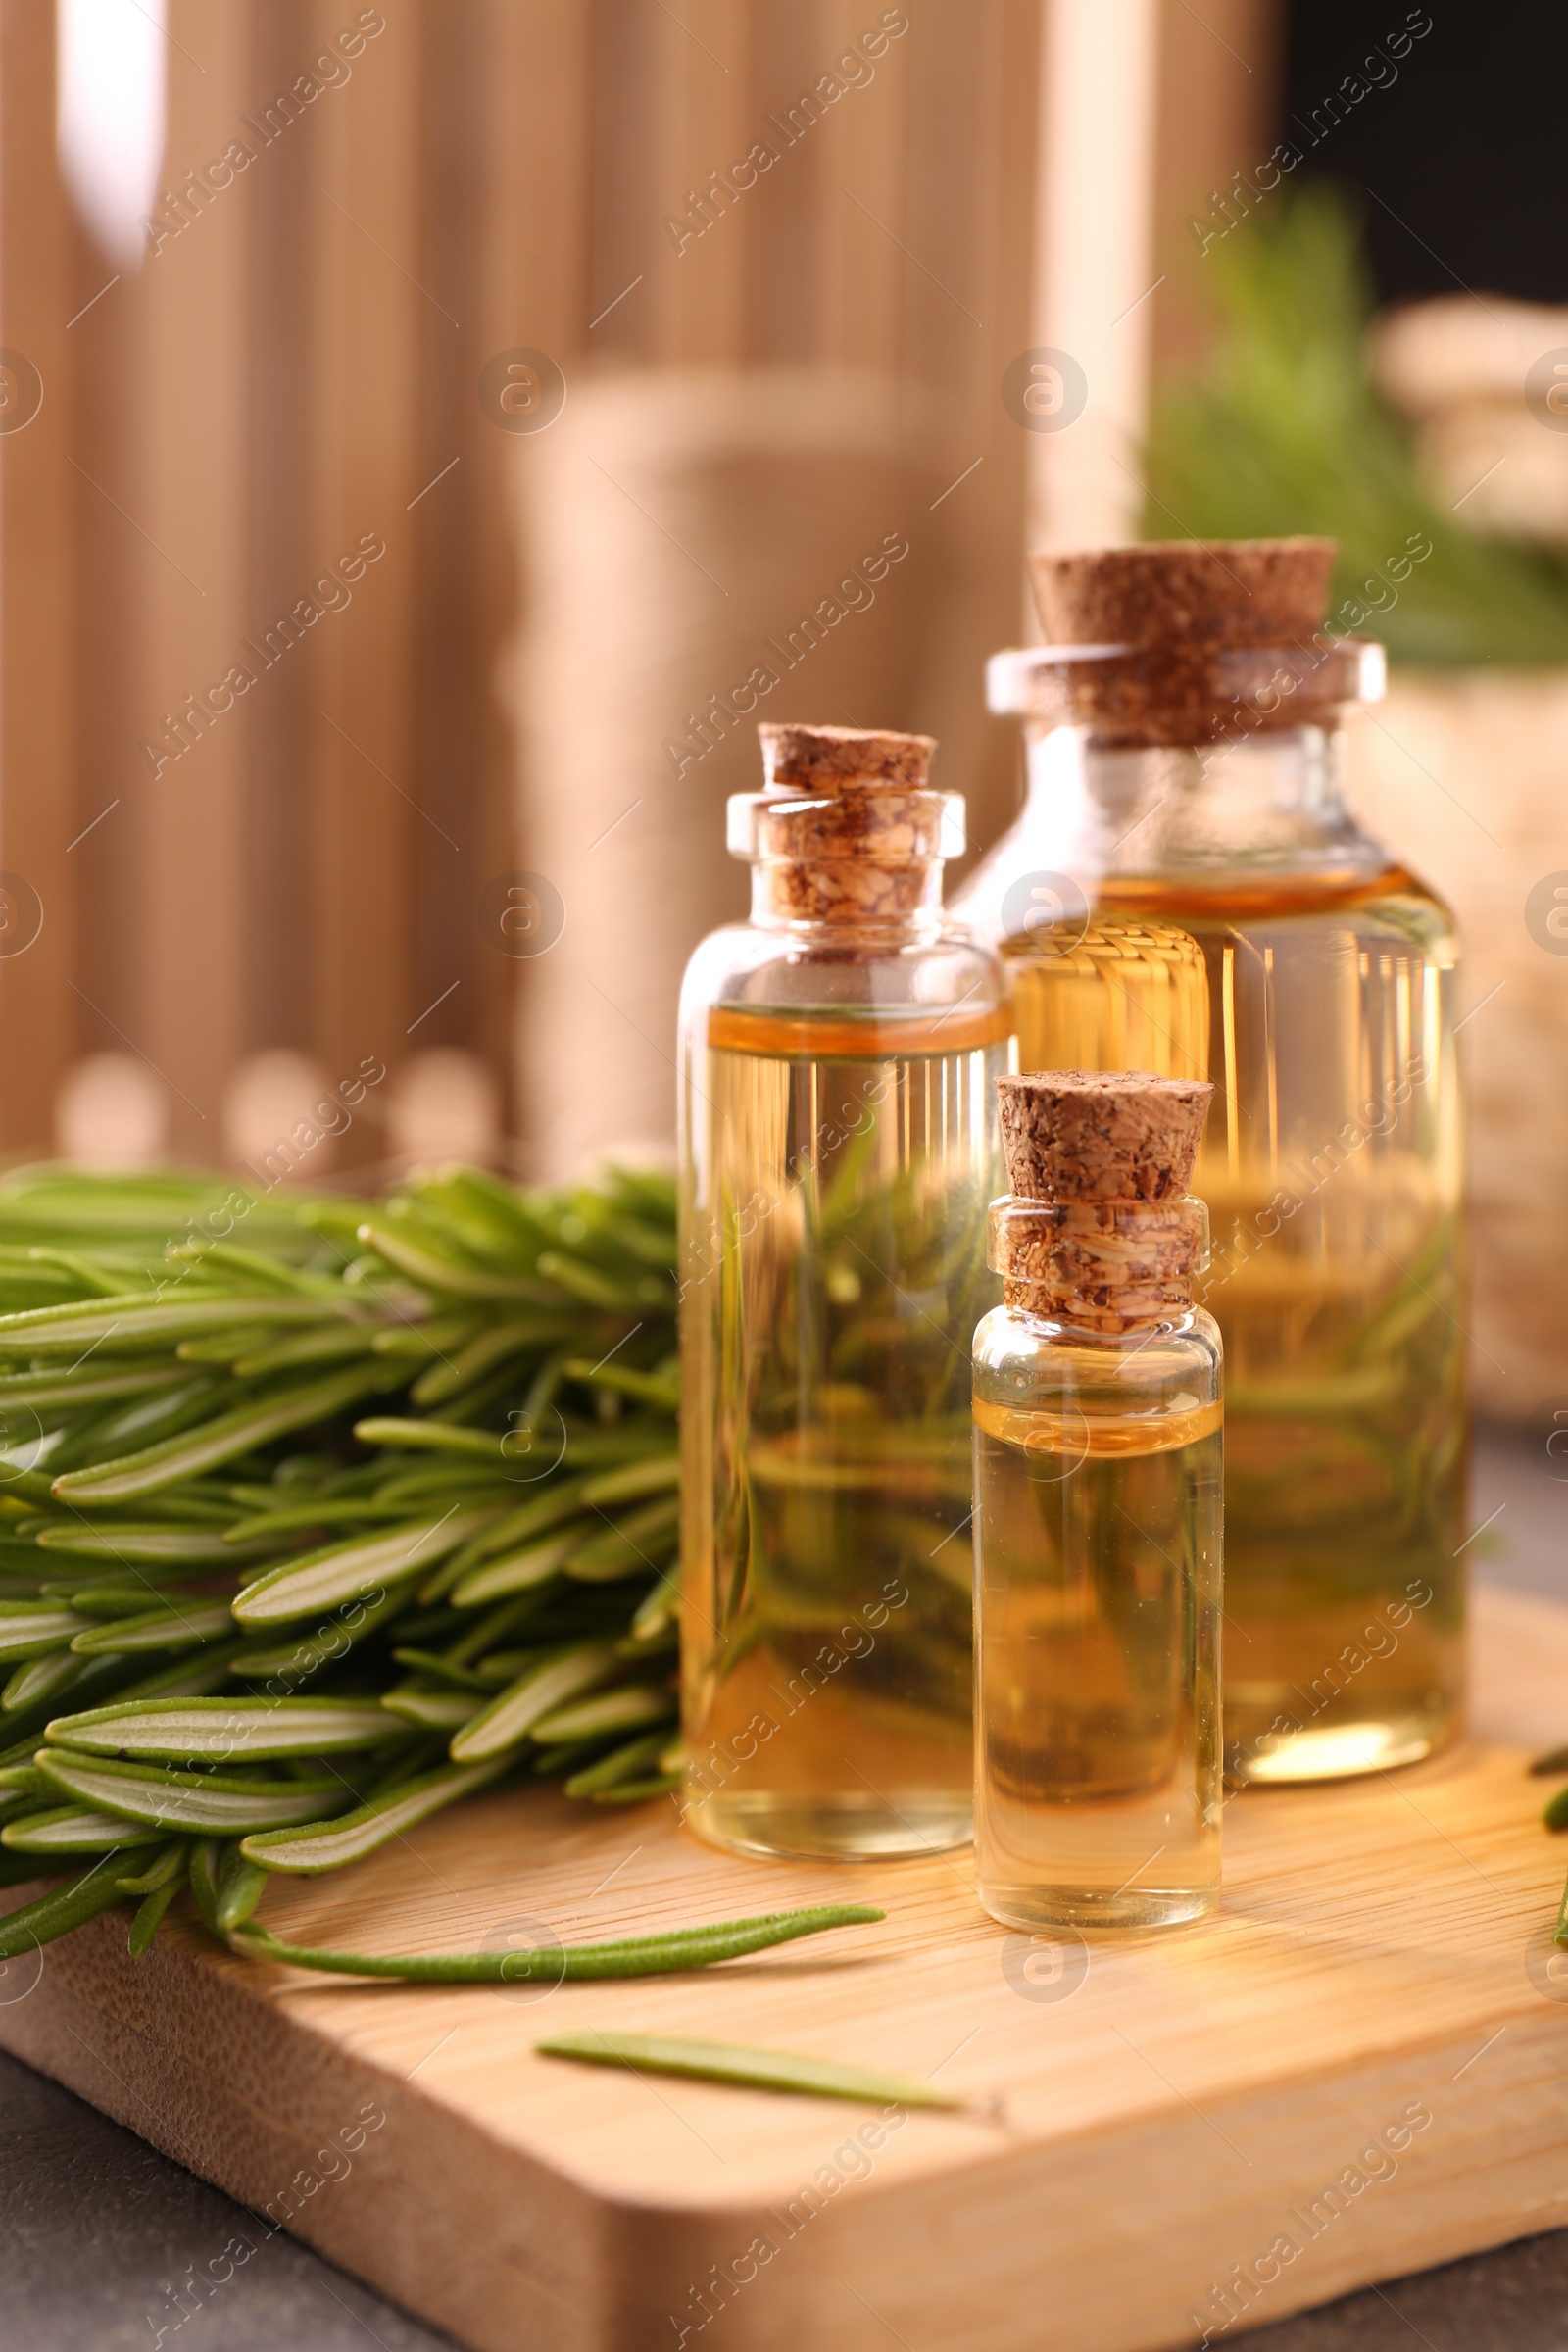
(223, 1440)
(344, 1572)
(241, 1884)
(63, 1908)
(536, 1692)
(129, 1540)
(201, 1802)
(30, 1629)
(168, 1864)
(637, 1479)
(75, 1830)
(431, 1436)
(633, 1546)
(624, 1710)
(437, 1274)
(516, 1571)
(752, 2069)
(329, 1845)
(434, 1710)
(182, 1625)
(116, 1326)
(643, 1956)
(193, 1730)
(626, 1763)
(149, 1913)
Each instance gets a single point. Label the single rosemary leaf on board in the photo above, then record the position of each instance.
(753, 2070)
(660, 1955)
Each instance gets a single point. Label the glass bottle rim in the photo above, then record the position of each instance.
(1063, 683)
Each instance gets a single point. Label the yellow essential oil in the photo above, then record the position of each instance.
(1097, 1557)
(1335, 1283)
(839, 1123)
(1188, 891)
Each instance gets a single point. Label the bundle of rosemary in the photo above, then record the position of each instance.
(318, 1515)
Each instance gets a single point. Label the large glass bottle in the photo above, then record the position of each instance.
(1187, 891)
(1098, 1516)
(839, 1053)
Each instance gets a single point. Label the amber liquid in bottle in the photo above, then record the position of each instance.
(1098, 1561)
(832, 1276)
(1334, 1276)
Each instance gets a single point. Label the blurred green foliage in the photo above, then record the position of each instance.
(1284, 432)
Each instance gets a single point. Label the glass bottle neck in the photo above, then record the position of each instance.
(1042, 1308)
(1272, 802)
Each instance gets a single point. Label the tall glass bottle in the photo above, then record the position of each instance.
(1098, 1515)
(1187, 891)
(839, 1053)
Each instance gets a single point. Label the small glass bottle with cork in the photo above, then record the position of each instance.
(1097, 1523)
(839, 1148)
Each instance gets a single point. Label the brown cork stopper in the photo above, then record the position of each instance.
(1101, 1135)
(1100, 1232)
(1187, 642)
(846, 830)
(823, 760)
(1231, 591)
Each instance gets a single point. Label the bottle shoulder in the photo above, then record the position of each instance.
(1025, 908)
(757, 967)
(1384, 896)
(1256, 833)
(1014, 1351)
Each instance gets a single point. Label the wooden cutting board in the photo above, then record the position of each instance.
(1357, 2068)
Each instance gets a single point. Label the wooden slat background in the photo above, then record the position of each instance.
(298, 367)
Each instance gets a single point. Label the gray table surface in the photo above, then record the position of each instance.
(98, 2230)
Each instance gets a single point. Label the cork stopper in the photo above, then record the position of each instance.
(824, 760)
(848, 830)
(1183, 642)
(1098, 1231)
(1230, 592)
(1102, 1134)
